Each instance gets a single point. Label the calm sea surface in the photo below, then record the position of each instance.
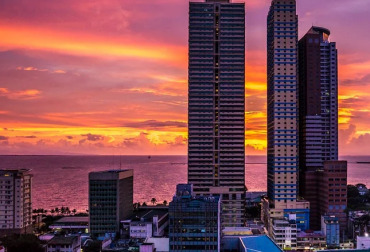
(63, 180)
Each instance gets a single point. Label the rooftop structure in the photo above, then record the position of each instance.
(311, 240)
(145, 223)
(330, 227)
(260, 243)
(64, 243)
(71, 224)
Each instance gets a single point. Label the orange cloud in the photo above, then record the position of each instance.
(21, 95)
(84, 44)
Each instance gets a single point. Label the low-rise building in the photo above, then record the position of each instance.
(310, 240)
(161, 244)
(363, 242)
(146, 223)
(194, 221)
(358, 223)
(72, 224)
(330, 228)
(261, 243)
(64, 244)
(254, 198)
(345, 250)
(147, 247)
(284, 233)
(231, 237)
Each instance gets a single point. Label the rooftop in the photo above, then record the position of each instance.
(148, 214)
(347, 250)
(72, 219)
(315, 234)
(62, 240)
(260, 243)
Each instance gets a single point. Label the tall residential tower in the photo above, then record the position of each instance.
(282, 115)
(216, 154)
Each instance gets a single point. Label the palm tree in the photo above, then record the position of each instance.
(74, 211)
(153, 201)
(165, 202)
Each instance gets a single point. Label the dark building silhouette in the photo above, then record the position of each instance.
(318, 119)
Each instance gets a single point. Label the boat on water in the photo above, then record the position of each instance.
(71, 168)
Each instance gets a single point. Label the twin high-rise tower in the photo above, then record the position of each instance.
(216, 156)
(302, 91)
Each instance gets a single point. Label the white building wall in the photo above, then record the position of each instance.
(363, 242)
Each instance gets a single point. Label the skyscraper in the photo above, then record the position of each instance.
(110, 200)
(282, 114)
(216, 154)
(282, 104)
(15, 202)
(318, 116)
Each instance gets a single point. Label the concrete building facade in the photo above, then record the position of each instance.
(330, 227)
(15, 202)
(194, 221)
(284, 233)
(216, 155)
(110, 201)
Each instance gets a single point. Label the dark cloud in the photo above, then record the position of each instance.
(30, 137)
(3, 138)
(93, 138)
(154, 124)
(365, 80)
(69, 137)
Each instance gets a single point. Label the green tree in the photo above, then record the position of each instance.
(352, 191)
(153, 200)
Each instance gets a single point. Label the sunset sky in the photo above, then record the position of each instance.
(110, 76)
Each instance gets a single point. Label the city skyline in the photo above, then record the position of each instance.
(95, 76)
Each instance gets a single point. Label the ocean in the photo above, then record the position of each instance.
(63, 180)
